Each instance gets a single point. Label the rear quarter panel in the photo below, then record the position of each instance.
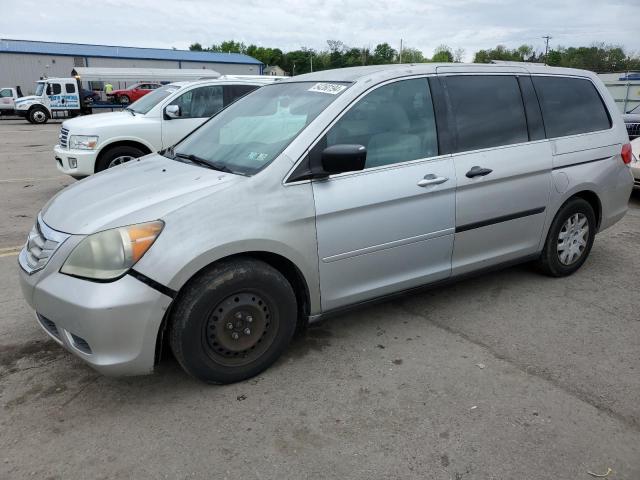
(592, 162)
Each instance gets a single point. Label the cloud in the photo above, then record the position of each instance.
(290, 24)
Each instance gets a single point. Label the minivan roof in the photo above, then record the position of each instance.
(379, 72)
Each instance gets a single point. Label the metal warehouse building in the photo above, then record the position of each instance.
(22, 62)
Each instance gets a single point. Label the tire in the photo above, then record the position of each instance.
(124, 100)
(38, 115)
(563, 256)
(116, 156)
(244, 298)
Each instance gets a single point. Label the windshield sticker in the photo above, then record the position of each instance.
(330, 88)
(257, 156)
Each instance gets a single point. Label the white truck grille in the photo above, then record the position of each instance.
(42, 243)
(63, 138)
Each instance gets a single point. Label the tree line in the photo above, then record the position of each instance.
(598, 57)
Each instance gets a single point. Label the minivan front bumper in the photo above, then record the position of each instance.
(111, 326)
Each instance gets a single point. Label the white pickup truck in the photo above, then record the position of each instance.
(8, 97)
(158, 120)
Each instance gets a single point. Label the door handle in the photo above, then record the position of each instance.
(478, 172)
(431, 179)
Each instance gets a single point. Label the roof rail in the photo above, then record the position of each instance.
(512, 62)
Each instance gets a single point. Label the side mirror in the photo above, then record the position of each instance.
(172, 111)
(343, 158)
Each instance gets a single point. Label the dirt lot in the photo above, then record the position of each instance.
(510, 375)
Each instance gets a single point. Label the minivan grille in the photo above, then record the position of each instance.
(64, 138)
(42, 242)
(633, 129)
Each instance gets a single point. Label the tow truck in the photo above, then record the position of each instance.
(66, 98)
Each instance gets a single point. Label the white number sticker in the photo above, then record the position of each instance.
(330, 88)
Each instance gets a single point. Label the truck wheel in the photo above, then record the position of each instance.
(233, 321)
(117, 156)
(124, 100)
(570, 238)
(38, 115)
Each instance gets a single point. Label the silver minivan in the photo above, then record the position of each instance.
(322, 192)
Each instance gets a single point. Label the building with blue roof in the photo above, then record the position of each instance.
(23, 62)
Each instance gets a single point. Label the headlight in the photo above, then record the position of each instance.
(83, 142)
(110, 254)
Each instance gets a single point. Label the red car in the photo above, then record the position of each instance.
(134, 92)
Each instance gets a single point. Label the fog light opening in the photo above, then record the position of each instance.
(73, 162)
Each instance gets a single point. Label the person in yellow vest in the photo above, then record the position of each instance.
(108, 88)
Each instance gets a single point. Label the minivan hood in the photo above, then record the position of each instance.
(135, 192)
(89, 124)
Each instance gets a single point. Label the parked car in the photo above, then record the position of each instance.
(635, 164)
(8, 97)
(320, 193)
(94, 143)
(89, 96)
(133, 93)
(632, 122)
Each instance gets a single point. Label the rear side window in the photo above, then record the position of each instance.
(570, 106)
(70, 87)
(488, 111)
(233, 92)
(200, 102)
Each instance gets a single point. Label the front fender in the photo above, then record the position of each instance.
(133, 139)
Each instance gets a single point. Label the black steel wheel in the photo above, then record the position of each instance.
(239, 329)
(232, 321)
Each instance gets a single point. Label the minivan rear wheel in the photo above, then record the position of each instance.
(233, 321)
(570, 238)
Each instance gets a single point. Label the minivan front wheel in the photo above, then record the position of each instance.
(570, 238)
(233, 321)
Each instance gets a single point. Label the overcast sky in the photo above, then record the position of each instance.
(290, 24)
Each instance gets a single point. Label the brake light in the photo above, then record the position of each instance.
(626, 153)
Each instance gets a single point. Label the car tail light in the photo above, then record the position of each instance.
(626, 153)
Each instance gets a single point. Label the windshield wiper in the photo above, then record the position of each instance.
(202, 162)
(131, 110)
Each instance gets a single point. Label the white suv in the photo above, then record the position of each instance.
(90, 144)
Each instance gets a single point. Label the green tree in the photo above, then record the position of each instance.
(195, 47)
(526, 52)
(383, 53)
(442, 54)
(229, 46)
(412, 55)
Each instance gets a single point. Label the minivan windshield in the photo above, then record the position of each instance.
(150, 100)
(250, 133)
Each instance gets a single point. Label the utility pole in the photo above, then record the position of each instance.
(400, 56)
(546, 50)
(311, 58)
